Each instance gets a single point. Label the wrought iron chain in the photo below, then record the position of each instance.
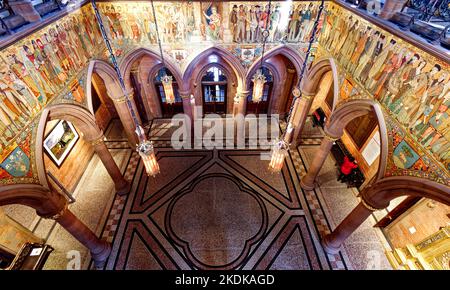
(157, 35)
(265, 35)
(116, 67)
(305, 63)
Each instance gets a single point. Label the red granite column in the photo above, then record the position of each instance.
(25, 9)
(125, 115)
(100, 249)
(240, 102)
(301, 113)
(333, 241)
(308, 180)
(121, 185)
(54, 206)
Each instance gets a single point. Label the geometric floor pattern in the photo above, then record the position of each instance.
(217, 209)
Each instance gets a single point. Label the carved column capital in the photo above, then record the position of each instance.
(97, 140)
(59, 214)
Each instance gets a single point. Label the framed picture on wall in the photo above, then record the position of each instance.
(60, 141)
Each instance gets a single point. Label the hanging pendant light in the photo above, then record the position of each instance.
(281, 146)
(145, 147)
(259, 79)
(258, 86)
(168, 88)
(280, 149)
(165, 79)
(147, 153)
(278, 154)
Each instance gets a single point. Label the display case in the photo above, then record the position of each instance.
(32, 256)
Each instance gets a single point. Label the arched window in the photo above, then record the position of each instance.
(168, 110)
(214, 90)
(262, 106)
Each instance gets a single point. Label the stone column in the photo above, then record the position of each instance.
(125, 115)
(308, 180)
(391, 7)
(240, 102)
(99, 249)
(121, 185)
(301, 114)
(25, 9)
(333, 241)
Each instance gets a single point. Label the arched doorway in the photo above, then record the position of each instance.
(167, 109)
(214, 90)
(138, 93)
(261, 107)
(102, 106)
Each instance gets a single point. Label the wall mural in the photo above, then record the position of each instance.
(237, 26)
(410, 84)
(45, 67)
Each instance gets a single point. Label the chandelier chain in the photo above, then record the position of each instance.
(305, 62)
(113, 59)
(266, 35)
(157, 35)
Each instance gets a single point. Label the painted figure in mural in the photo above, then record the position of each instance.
(36, 77)
(363, 44)
(14, 115)
(149, 26)
(8, 121)
(409, 97)
(350, 43)
(60, 50)
(292, 26)
(16, 101)
(275, 30)
(132, 21)
(24, 91)
(379, 84)
(399, 82)
(258, 14)
(253, 24)
(309, 28)
(52, 58)
(114, 19)
(418, 102)
(379, 46)
(214, 27)
(36, 65)
(248, 22)
(402, 156)
(233, 22)
(431, 100)
(307, 23)
(241, 18)
(263, 22)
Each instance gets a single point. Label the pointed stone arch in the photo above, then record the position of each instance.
(109, 76)
(377, 197)
(149, 62)
(311, 83)
(49, 204)
(290, 53)
(334, 129)
(231, 60)
(85, 122)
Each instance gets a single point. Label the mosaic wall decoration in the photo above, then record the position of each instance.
(411, 85)
(46, 67)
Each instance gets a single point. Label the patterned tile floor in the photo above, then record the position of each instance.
(165, 222)
(248, 218)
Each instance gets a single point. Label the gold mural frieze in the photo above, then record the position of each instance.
(412, 87)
